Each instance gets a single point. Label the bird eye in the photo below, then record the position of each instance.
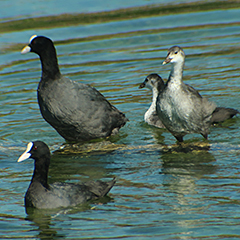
(35, 147)
(176, 52)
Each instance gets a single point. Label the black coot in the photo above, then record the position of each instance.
(42, 195)
(77, 111)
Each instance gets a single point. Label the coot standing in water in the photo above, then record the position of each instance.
(156, 84)
(77, 111)
(180, 107)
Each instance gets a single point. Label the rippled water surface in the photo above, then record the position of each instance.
(162, 191)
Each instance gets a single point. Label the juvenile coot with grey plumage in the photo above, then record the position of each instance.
(155, 83)
(42, 195)
(180, 107)
(77, 111)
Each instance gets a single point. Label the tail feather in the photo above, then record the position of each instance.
(100, 188)
(221, 114)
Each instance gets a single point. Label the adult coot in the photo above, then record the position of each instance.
(77, 111)
(155, 83)
(42, 195)
(180, 107)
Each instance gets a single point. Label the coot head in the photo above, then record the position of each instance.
(37, 150)
(153, 80)
(175, 54)
(38, 45)
(40, 152)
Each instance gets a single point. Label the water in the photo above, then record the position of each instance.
(162, 192)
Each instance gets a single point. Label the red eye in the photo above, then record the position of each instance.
(35, 147)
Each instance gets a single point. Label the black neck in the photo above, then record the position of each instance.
(41, 172)
(50, 68)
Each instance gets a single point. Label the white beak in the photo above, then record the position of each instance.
(26, 154)
(26, 50)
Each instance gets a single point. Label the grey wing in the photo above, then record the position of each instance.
(193, 91)
(207, 106)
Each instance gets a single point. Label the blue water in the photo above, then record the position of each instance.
(162, 191)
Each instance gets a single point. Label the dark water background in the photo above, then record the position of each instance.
(161, 192)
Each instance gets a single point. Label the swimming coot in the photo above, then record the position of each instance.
(42, 195)
(77, 111)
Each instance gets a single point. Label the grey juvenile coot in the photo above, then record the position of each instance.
(42, 195)
(155, 83)
(77, 111)
(180, 107)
